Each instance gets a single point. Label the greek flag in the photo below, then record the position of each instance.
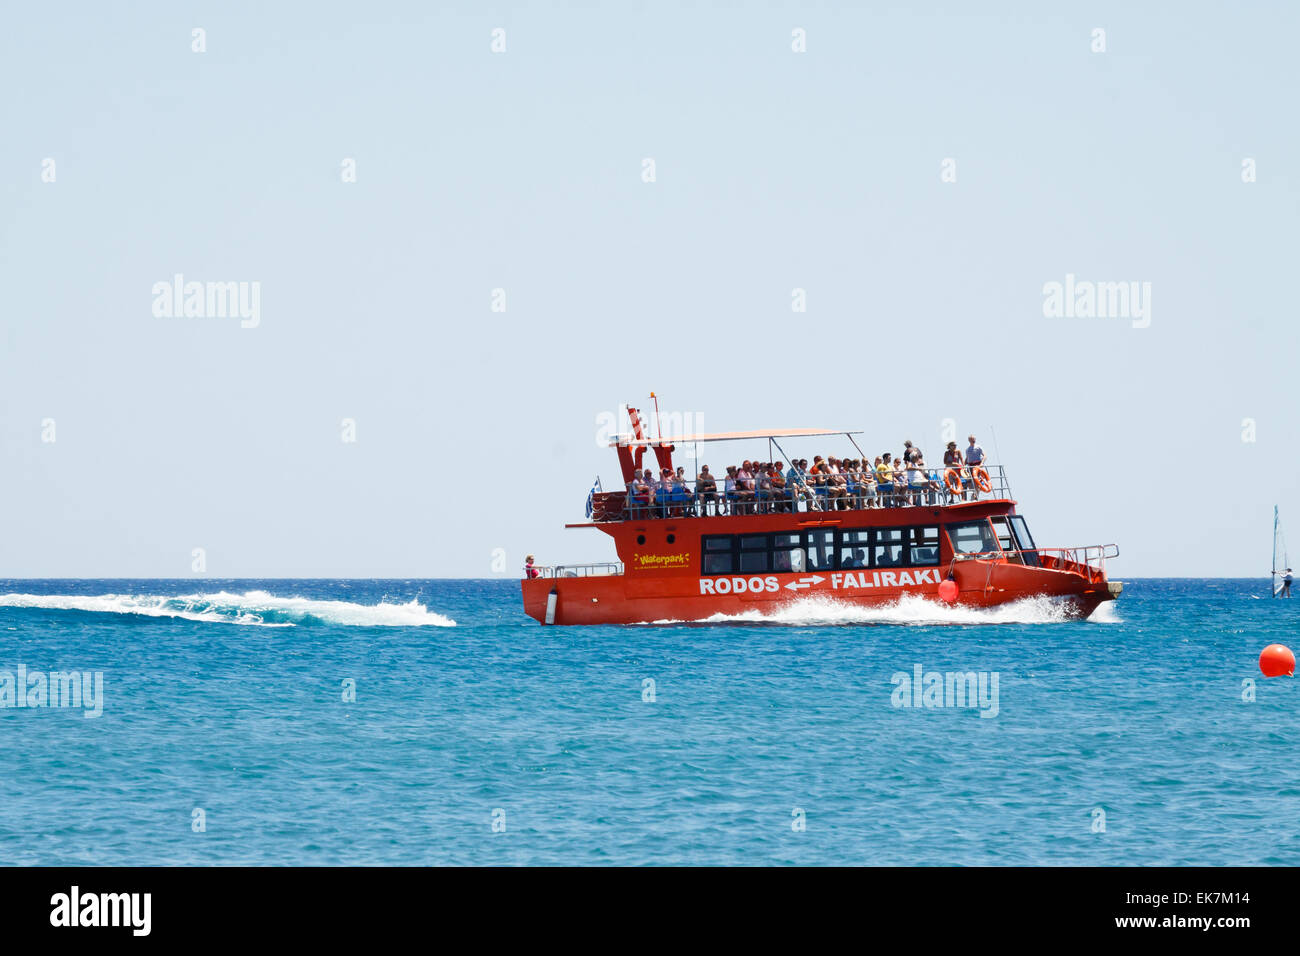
(591, 496)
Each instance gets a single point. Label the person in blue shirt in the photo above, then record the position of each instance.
(974, 457)
(798, 486)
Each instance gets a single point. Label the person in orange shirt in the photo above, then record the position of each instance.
(779, 500)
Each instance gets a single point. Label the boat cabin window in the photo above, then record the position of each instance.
(717, 554)
(755, 554)
(821, 551)
(972, 537)
(888, 549)
(1006, 540)
(925, 545)
(1002, 529)
(1027, 548)
(788, 553)
(855, 549)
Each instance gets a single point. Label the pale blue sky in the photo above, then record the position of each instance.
(522, 170)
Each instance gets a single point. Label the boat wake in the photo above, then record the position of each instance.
(257, 608)
(907, 610)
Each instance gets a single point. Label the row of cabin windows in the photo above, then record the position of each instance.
(821, 550)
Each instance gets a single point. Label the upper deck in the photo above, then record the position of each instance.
(653, 489)
(812, 495)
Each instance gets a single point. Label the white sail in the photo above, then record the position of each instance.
(1281, 563)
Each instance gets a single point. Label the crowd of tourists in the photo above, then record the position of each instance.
(827, 484)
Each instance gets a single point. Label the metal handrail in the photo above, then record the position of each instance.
(811, 491)
(1090, 556)
(598, 569)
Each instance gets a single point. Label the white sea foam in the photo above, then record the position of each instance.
(1106, 613)
(821, 611)
(258, 608)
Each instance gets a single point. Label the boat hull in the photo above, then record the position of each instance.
(620, 599)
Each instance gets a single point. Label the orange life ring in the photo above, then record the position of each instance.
(952, 478)
(981, 476)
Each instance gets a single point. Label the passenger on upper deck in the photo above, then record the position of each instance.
(900, 481)
(745, 489)
(681, 493)
(867, 483)
(664, 491)
(762, 487)
(836, 486)
(797, 482)
(862, 485)
(922, 481)
(954, 474)
(974, 458)
(885, 480)
(706, 489)
(812, 481)
(817, 475)
(915, 483)
(638, 493)
(780, 501)
(852, 487)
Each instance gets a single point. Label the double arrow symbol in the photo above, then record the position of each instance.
(804, 583)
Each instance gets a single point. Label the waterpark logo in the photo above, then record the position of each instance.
(662, 560)
(84, 689)
(75, 908)
(208, 300)
(923, 688)
(1085, 299)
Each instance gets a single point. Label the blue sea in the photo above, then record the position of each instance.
(430, 722)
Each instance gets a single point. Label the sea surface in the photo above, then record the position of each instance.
(431, 722)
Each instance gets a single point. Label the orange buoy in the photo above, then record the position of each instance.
(1276, 660)
(948, 594)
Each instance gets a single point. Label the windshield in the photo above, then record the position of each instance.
(972, 537)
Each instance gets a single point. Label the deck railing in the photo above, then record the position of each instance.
(1088, 560)
(600, 569)
(686, 500)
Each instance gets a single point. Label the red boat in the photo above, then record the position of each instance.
(684, 557)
